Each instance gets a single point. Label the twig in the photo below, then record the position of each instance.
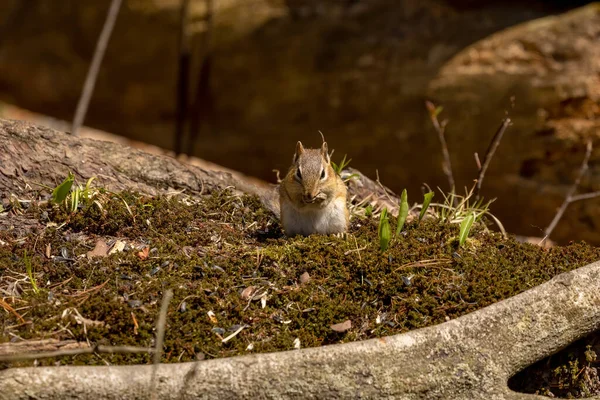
(183, 77)
(490, 153)
(441, 131)
(570, 194)
(585, 196)
(160, 338)
(74, 352)
(92, 75)
(424, 263)
(234, 334)
(8, 308)
(90, 290)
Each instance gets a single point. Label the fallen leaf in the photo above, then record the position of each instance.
(342, 326)
(117, 247)
(305, 277)
(100, 250)
(248, 292)
(144, 253)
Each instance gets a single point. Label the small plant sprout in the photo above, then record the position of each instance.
(369, 211)
(60, 193)
(426, 201)
(402, 212)
(74, 197)
(338, 168)
(456, 208)
(29, 269)
(465, 227)
(385, 232)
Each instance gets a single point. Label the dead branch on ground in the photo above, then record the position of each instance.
(30, 356)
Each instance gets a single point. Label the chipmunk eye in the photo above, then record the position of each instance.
(299, 174)
(322, 174)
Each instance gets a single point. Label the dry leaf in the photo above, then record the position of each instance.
(100, 250)
(248, 292)
(342, 326)
(117, 247)
(144, 253)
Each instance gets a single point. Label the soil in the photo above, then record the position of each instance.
(98, 276)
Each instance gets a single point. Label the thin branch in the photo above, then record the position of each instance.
(441, 131)
(92, 75)
(183, 77)
(74, 352)
(8, 308)
(160, 338)
(585, 196)
(489, 154)
(570, 194)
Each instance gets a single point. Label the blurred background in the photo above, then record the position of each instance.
(266, 73)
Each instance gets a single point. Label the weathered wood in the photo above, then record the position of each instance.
(34, 157)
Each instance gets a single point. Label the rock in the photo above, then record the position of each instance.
(544, 75)
(304, 278)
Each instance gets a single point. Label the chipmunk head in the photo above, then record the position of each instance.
(312, 174)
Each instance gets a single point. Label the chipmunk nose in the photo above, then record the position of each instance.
(308, 198)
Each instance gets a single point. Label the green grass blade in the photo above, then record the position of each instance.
(29, 269)
(402, 212)
(59, 194)
(385, 232)
(465, 227)
(426, 200)
(75, 195)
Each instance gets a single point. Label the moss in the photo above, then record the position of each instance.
(571, 373)
(225, 254)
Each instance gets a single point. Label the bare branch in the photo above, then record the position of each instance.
(441, 131)
(160, 338)
(585, 196)
(570, 194)
(489, 154)
(74, 352)
(92, 75)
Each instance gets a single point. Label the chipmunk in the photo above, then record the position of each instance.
(312, 196)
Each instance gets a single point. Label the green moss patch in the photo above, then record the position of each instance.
(231, 271)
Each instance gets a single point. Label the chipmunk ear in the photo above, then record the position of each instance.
(299, 151)
(325, 152)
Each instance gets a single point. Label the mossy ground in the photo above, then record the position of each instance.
(226, 260)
